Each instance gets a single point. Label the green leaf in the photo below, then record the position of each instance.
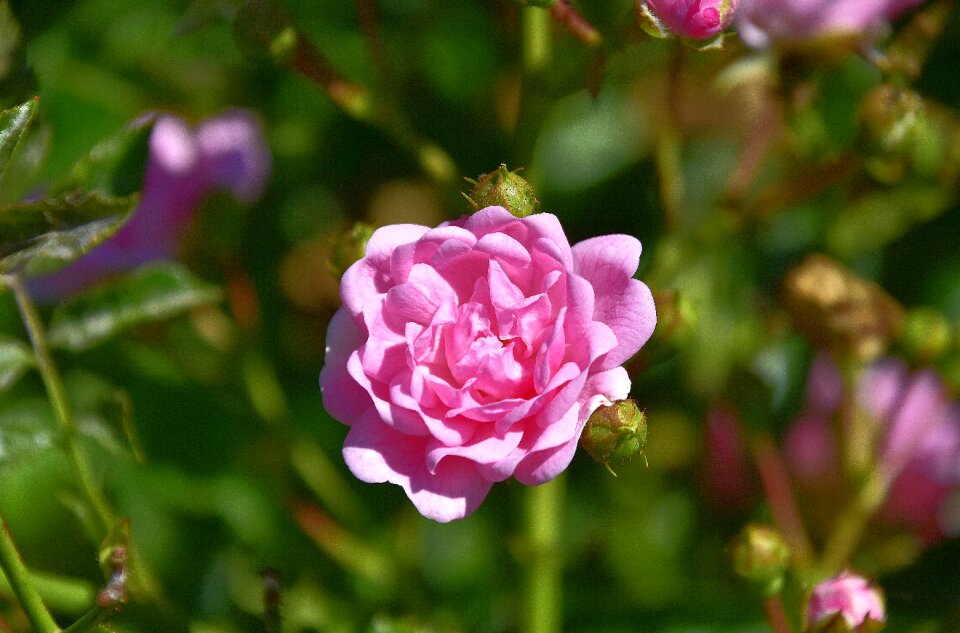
(13, 125)
(888, 213)
(15, 359)
(42, 236)
(27, 428)
(149, 294)
(114, 166)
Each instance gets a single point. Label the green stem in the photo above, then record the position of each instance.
(19, 579)
(669, 147)
(544, 590)
(90, 619)
(58, 398)
(357, 101)
(536, 58)
(537, 46)
(853, 521)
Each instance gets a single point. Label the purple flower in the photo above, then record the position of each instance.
(476, 351)
(184, 165)
(846, 597)
(765, 22)
(696, 19)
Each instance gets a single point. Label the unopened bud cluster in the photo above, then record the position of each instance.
(840, 311)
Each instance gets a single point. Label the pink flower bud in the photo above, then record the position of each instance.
(697, 19)
(846, 599)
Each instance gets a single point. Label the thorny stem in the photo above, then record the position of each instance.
(19, 579)
(544, 589)
(783, 506)
(61, 407)
(356, 101)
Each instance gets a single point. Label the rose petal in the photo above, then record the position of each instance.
(343, 397)
(375, 453)
(371, 276)
(623, 303)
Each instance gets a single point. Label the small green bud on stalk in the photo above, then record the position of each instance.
(349, 248)
(503, 188)
(760, 556)
(616, 433)
(927, 334)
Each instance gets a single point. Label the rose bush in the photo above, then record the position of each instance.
(475, 351)
(765, 22)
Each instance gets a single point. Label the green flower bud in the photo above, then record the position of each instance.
(760, 556)
(927, 334)
(616, 433)
(349, 248)
(503, 188)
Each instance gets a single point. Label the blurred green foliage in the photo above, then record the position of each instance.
(202, 417)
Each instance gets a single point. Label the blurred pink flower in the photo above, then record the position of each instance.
(727, 478)
(697, 19)
(765, 22)
(184, 165)
(473, 352)
(848, 597)
(918, 434)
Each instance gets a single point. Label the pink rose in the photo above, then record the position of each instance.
(765, 22)
(697, 19)
(848, 597)
(473, 352)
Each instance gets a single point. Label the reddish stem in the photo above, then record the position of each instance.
(565, 14)
(783, 505)
(776, 616)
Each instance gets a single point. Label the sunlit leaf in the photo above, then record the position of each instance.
(149, 294)
(13, 125)
(27, 428)
(15, 359)
(42, 236)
